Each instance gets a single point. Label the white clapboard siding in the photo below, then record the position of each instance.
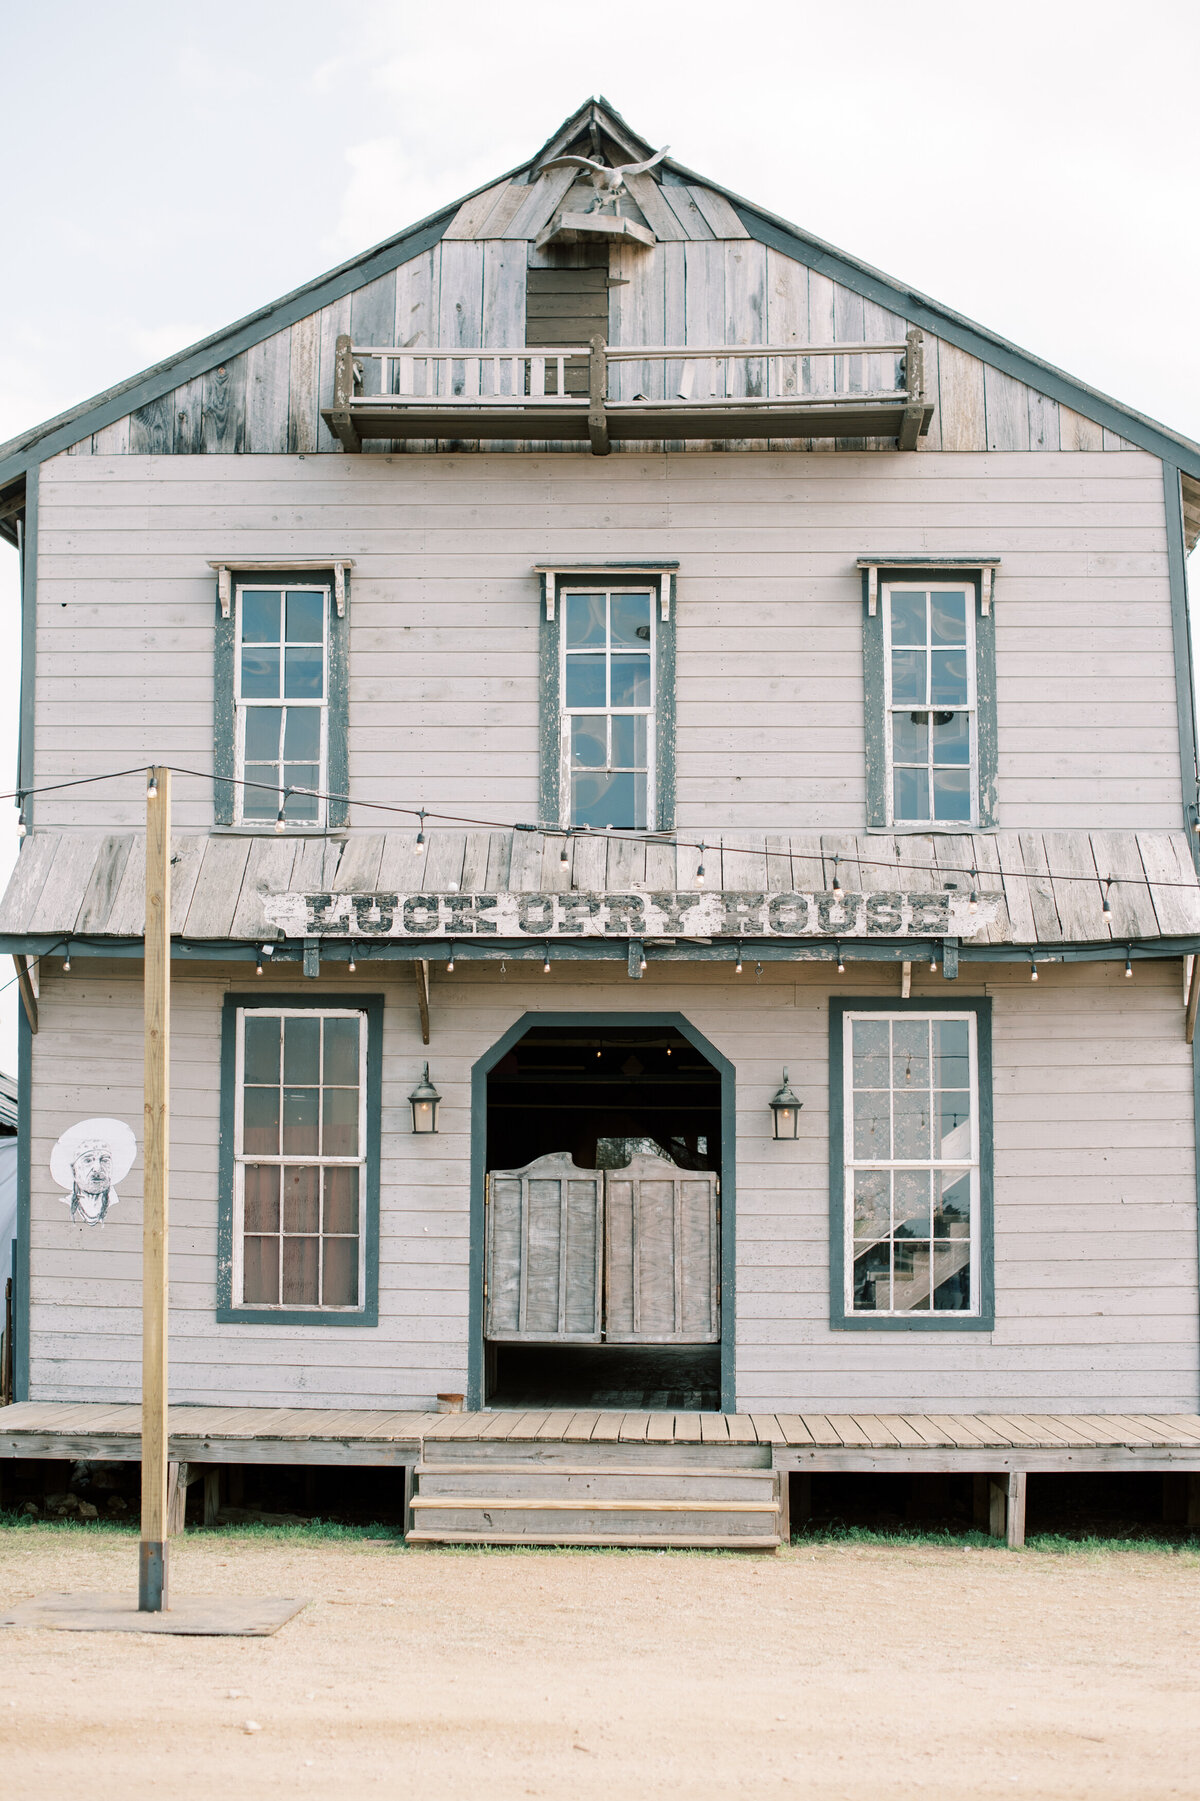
(1096, 1287)
(444, 619)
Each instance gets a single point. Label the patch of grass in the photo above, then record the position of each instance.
(302, 1532)
(1058, 1543)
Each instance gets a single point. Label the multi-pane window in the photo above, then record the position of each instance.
(608, 706)
(282, 693)
(912, 1165)
(299, 1159)
(929, 653)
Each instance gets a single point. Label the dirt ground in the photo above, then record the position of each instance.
(837, 1670)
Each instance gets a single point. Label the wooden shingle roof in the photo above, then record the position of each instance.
(1030, 888)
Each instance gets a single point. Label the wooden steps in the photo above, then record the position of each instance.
(500, 1492)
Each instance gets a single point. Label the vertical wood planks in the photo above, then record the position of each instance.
(304, 379)
(267, 380)
(961, 398)
(1006, 404)
(223, 427)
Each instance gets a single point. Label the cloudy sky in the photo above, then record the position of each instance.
(1031, 165)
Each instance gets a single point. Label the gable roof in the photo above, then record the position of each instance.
(596, 128)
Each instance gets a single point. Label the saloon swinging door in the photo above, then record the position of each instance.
(602, 1256)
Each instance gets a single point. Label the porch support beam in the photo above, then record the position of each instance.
(421, 973)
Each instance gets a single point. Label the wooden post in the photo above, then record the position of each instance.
(598, 397)
(152, 1563)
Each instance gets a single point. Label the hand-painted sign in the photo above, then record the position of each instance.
(651, 915)
(89, 1160)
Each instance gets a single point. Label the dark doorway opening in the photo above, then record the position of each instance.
(606, 1096)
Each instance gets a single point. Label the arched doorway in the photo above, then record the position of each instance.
(602, 1216)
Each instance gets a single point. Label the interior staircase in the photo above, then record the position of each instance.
(711, 1497)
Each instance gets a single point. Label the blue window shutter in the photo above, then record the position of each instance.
(875, 740)
(987, 746)
(223, 718)
(550, 796)
(337, 774)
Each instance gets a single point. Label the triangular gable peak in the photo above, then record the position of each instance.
(716, 269)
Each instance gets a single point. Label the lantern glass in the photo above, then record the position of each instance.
(785, 1111)
(425, 1102)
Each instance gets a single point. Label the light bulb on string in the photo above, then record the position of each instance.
(1128, 965)
(1033, 968)
(737, 968)
(450, 962)
(841, 962)
(419, 846)
(258, 963)
(546, 960)
(837, 886)
(279, 817)
(22, 822)
(700, 869)
(642, 961)
(67, 962)
(1106, 905)
(152, 787)
(973, 903)
(352, 964)
(564, 859)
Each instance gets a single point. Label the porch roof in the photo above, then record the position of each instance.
(1004, 888)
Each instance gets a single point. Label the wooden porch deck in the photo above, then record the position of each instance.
(785, 1441)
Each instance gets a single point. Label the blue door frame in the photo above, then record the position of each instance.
(599, 1021)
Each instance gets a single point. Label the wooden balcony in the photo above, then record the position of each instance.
(599, 394)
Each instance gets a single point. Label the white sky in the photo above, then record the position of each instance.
(1033, 166)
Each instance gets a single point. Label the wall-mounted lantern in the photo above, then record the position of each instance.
(425, 1101)
(785, 1110)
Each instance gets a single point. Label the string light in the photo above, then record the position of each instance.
(1106, 907)
(450, 962)
(1033, 968)
(737, 968)
(545, 959)
(837, 886)
(642, 960)
(1128, 965)
(564, 860)
(841, 964)
(152, 787)
(258, 963)
(22, 823)
(973, 903)
(67, 961)
(352, 964)
(700, 869)
(933, 963)
(419, 846)
(279, 819)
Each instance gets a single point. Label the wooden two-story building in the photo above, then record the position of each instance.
(684, 889)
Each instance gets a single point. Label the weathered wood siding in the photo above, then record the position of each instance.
(1096, 1286)
(705, 282)
(444, 621)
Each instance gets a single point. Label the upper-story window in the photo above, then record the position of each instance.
(608, 699)
(282, 703)
(281, 713)
(929, 667)
(930, 675)
(608, 705)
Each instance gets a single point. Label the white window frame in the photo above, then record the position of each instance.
(241, 1159)
(241, 705)
(567, 714)
(971, 709)
(959, 1166)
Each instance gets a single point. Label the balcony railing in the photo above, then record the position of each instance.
(601, 393)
